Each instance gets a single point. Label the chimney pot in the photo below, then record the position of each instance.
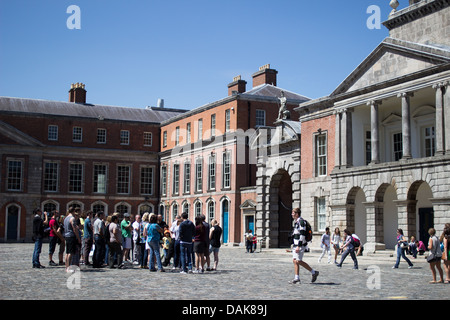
(265, 75)
(77, 93)
(237, 86)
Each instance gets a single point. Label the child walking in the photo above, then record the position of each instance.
(325, 244)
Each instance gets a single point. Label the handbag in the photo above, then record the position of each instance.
(433, 256)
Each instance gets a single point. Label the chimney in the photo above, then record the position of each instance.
(265, 75)
(160, 103)
(237, 86)
(77, 93)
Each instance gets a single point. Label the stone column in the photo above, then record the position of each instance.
(346, 139)
(374, 227)
(337, 140)
(446, 121)
(439, 129)
(406, 124)
(406, 210)
(375, 133)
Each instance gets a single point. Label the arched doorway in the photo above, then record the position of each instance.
(225, 217)
(420, 210)
(281, 208)
(356, 213)
(386, 215)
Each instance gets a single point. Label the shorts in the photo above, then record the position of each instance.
(298, 255)
(213, 249)
(199, 247)
(71, 245)
(126, 243)
(52, 244)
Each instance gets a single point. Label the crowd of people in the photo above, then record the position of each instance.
(150, 243)
(116, 241)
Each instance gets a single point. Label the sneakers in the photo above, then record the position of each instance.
(52, 263)
(294, 281)
(314, 276)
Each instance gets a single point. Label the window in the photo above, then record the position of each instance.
(101, 136)
(49, 206)
(146, 180)
(176, 178)
(211, 210)
(321, 155)
(123, 208)
(200, 129)
(368, 147)
(77, 134)
(97, 207)
(321, 213)
(123, 179)
(51, 176)
(75, 177)
(212, 172)
(213, 125)
(260, 118)
(429, 139)
(226, 170)
(198, 174)
(148, 139)
(177, 136)
(15, 174)
(188, 133)
(165, 139)
(124, 137)
(164, 180)
(187, 177)
(174, 210)
(53, 133)
(186, 207)
(99, 178)
(398, 146)
(198, 208)
(227, 120)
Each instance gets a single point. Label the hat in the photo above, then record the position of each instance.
(167, 232)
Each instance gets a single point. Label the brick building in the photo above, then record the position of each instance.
(206, 163)
(58, 154)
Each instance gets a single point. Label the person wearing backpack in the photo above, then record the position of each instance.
(348, 248)
(300, 237)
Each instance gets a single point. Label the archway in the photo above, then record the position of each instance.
(386, 215)
(420, 210)
(356, 213)
(281, 208)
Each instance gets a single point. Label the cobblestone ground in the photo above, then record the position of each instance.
(241, 276)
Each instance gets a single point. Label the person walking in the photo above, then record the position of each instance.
(299, 247)
(348, 248)
(325, 244)
(38, 235)
(435, 250)
(446, 253)
(214, 245)
(402, 245)
(335, 241)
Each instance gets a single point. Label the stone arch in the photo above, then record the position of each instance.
(386, 211)
(356, 215)
(419, 210)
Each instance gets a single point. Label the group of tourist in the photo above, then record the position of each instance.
(147, 241)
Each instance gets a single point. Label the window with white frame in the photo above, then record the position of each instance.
(198, 208)
(51, 174)
(148, 139)
(177, 136)
(164, 180)
(199, 129)
(123, 208)
(52, 133)
(213, 125)
(165, 139)
(321, 213)
(188, 133)
(185, 207)
(176, 179)
(321, 154)
(187, 177)
(212, 172)
(146, 180)
(123, 179)
(227, 120)
(198, 174)
(124, 137)
(99, 206)
(101, 136)
(76, 177)
(14, 175)
(429, 141)
(226, 170)
(397, 151)
(260, 118)
(174, 210)
(77, 134)
(211, 210)
(100, 171)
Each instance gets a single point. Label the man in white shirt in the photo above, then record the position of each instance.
(299, 247)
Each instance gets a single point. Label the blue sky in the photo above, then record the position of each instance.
(130, 53)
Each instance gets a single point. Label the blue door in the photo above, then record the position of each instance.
(250, 224)
(225, 207)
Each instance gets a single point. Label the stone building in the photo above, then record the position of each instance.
(376, 151)
(60, 154)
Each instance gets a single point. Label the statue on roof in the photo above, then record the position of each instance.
(283, 112)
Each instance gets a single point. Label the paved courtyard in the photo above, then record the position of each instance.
(241, 276)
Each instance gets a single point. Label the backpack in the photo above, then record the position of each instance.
(308, 232)
(355, 241)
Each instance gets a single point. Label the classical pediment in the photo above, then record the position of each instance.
(18, 136)
(393, 59)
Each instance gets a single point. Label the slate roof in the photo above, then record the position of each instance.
(70, 109)
(268, 90)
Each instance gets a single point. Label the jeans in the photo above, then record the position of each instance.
(37, 251)
(401, 253)
(154, 250)
(352, 254)
(176, 254)
(99, 252)
(186, 256)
